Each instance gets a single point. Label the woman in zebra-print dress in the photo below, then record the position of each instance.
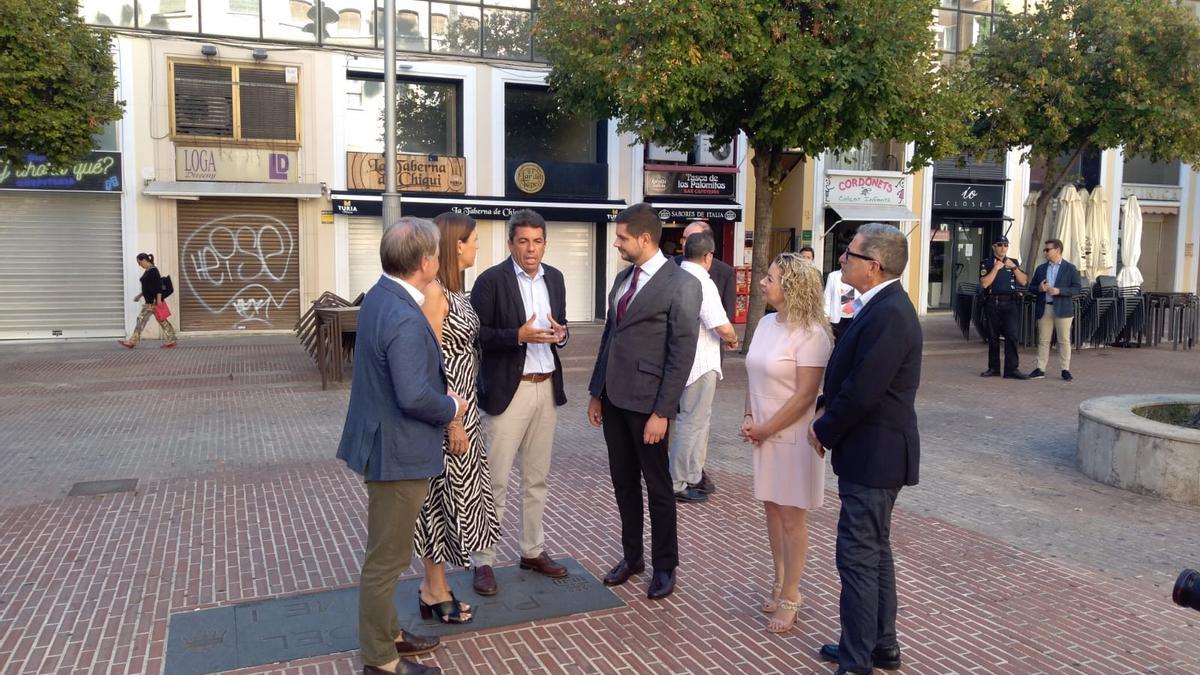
(459, 514)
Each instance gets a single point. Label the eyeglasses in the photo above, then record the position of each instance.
(1000, 245)
(861, 256)
(1047, 250)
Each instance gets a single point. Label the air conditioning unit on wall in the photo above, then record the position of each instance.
(657, 153)
(708, 155)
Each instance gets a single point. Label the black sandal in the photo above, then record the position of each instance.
(449, 611)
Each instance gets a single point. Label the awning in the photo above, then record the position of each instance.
(873, 212)
(682, 212)
(197, 189)
(481, 208)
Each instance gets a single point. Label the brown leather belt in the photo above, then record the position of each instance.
(536, 377)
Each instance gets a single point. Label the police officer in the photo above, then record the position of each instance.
(999, 277)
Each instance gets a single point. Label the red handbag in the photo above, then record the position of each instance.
(161, 311)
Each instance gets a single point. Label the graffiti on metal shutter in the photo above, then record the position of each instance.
(237, 265)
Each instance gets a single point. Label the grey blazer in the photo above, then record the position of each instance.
(643, 364)
(398, 403)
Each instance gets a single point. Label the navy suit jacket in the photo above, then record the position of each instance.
(1068, 284)
(867, 415)
(398, 403)
(496, 297)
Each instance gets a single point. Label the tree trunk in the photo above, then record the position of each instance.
(1057, 175)
(768, 175)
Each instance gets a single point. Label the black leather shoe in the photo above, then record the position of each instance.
(990, 372)
(881, 659)
(413, 644)
(661, 585)
(705, 485)
(1066, 376)
(623, 571)
(1037, 374)
(1016, 375)
(404, 668)
(690, 494)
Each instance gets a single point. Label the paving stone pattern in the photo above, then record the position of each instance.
(1009, 560)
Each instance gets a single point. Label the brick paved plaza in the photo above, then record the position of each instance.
(1009, 560)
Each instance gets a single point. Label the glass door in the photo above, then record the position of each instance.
(969, 251)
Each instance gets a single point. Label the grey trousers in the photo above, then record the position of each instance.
(392, 509)
(689, 438)
(868, 573)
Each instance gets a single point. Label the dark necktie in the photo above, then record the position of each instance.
(623, 303)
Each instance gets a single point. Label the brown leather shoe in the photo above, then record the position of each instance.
(485, 580)
(544, 564)
(413, 644)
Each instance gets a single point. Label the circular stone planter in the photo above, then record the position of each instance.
(1122, 448)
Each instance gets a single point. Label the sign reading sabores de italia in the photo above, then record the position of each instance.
(414, 173)
(97, 172)
(864, 188)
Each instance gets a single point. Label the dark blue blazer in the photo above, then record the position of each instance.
(1068, 284)
(398, 403)
(496, 298)
(867, 414)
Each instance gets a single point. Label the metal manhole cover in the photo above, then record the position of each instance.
(102, 487)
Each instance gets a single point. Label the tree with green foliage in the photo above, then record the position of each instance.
(1077, 76)
(56, 81)
(800, 76)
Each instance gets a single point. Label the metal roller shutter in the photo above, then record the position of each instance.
(60, 266)
(365, 267)
(239, 264)
(570, 247)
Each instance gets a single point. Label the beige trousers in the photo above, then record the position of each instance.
(1061, 325)
(525, 428)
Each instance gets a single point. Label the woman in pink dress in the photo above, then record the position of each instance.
(785, 365)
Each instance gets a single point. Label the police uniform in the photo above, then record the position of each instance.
(1002, 306)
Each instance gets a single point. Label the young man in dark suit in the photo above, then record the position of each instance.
(1054, 283)
(522, 308)
(645, 357)
(399, 409)
(867, 418)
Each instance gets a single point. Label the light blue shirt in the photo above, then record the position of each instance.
(535, 298)
(1051, 277)
(862, 300)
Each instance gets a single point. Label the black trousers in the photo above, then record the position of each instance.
(629, 462)
(868, 573)
(1004, 319)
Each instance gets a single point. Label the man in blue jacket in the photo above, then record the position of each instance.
(399, 409)
(1054, 283)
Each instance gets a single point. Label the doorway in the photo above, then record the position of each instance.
(956, 249)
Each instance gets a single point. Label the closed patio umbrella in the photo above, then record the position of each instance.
(1068, 226)
(1099, 238)
(1131, 245)
(1027, 245)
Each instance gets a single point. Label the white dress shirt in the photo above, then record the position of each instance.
(535, 298)
(417, 296)
(649, 268)
(862, 300)
(712, 315)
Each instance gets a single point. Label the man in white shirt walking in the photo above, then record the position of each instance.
(689, 442)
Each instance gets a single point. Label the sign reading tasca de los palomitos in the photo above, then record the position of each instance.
(414, 173)
(861, 188)
(98, 172)
(236, 164)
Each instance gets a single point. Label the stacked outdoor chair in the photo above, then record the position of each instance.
(306, 327)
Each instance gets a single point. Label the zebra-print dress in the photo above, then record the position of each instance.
(459, 514)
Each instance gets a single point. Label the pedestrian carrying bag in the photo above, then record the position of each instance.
(161, 311)
(168, 287)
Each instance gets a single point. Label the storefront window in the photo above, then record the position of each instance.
(412, 26)
(506, 34)
(537, 129)
(106, 138)
(427, 116)
(355, 24)
(455, 28)
(963, 24)
(169, 15)
(230, 17)
(870, 156)
(1139, 169)
(107, 12)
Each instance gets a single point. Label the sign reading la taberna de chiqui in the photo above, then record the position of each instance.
(97, 172)
(414, 173)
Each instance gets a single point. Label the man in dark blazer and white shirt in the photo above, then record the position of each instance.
(645, 357)
(867, 418)
(1054, 284)
(399, 409)
(522, 308)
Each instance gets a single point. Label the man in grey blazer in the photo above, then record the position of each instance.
(399, 408)
(645, 357)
